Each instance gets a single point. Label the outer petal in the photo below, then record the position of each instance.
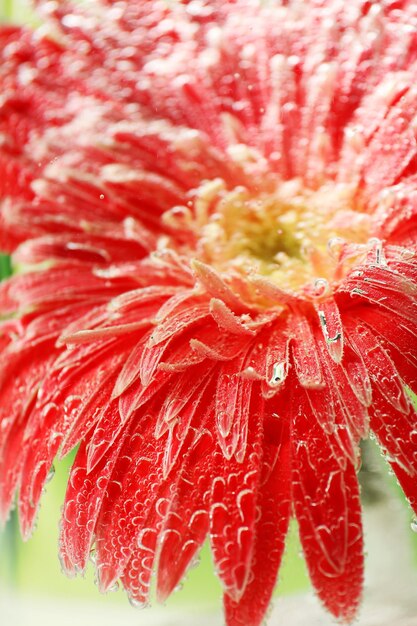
(274, 508)
(83, 501)
(233, 509)
(327, 507)
(187, 522)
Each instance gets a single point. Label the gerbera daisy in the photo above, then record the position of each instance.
(212, 210)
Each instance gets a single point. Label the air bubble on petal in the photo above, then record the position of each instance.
(50, 475)
(379, 251)
(413, 525)
(249, 373)
(406, 253)
(322, 287)
(335, 247)
(93, 556)
(224, 422)
(137, 604)
(332, 329)
(279, 372)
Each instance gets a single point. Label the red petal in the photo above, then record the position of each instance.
(274, 505)
(331, 325)
(382, 371)
(217, 288)
(233, 511)
(187, 522)
(137, 483)
(306, 361)
(233, 397)
(396, 432)
(327, 506)
(83, 501)
(382, 166)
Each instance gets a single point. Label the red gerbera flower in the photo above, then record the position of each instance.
(212, 210)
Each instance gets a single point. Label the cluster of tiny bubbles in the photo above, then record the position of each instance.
(413, 525)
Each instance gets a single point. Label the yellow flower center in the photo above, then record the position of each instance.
(288, 234)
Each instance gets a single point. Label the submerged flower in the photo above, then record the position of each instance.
(212, 210)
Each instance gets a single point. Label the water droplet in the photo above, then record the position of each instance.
(195, 562)
(406, 254)
(323, 321)
(249, 373)
(413, 525)
(224, 422)
(278, 373)
(93, 556)
(114, 587)
(379, 251)
(137, 604)
(321, 287)
(335, 247)
(51, 474)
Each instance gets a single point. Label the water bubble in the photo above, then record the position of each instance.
(335, 247)
(406, 254)
(93, 556)
(357, 291)
(323, 321)
(413, 525)
(322, 287)
(278, 373)
(137, 604)
(51, 474)
(195, 562)
(379, 251)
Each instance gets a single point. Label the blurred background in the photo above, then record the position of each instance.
(33, 588)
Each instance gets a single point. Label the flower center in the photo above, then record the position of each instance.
(287, 235)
